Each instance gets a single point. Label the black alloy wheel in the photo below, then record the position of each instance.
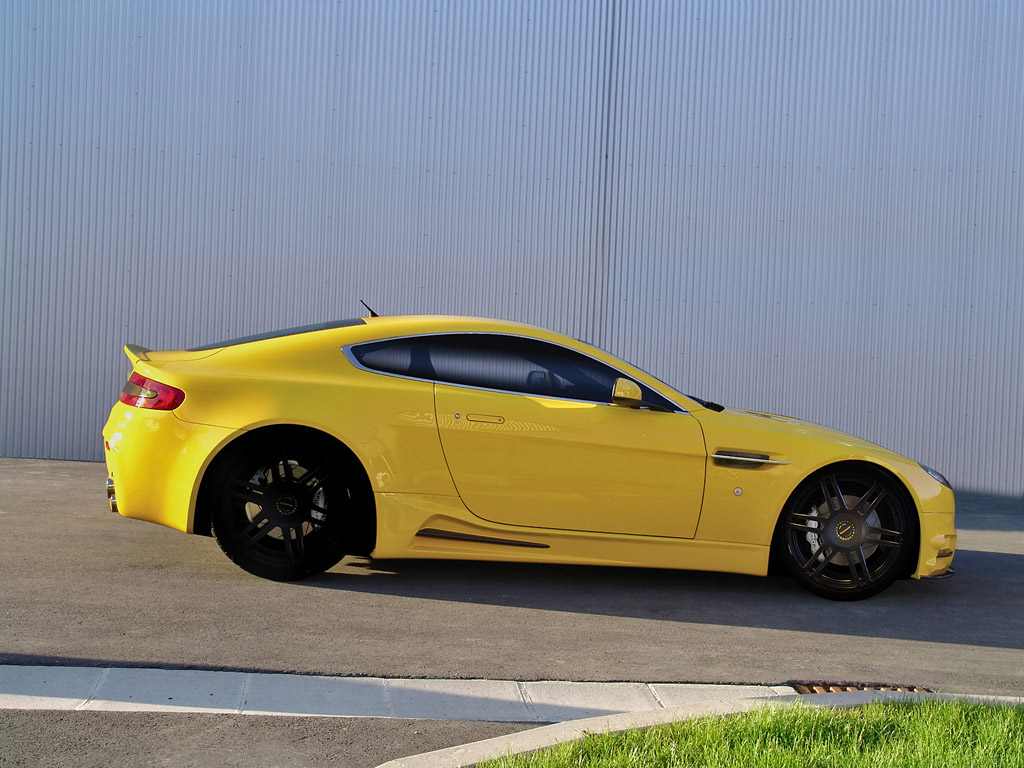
(848, 533)
(284, 512)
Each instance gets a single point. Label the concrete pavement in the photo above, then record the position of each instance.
(86, 591)
(113, 689)
(574, 709)
(80, 586)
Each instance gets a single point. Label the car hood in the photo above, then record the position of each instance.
(800, 426)
(768, 433)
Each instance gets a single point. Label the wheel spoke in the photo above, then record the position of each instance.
(870, 500)
(247, 492)
(287, 539)
(254, 531)
(824, 557)
(293, 547)
(815, 528)
(883, 537)
(312, 478)
(859, 578)
(286, 468)
(807, 515)
(834, 500)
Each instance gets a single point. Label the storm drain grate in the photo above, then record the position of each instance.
(840, 687)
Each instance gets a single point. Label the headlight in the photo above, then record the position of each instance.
(937, 475)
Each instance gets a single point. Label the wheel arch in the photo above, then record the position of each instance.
(364, 537)
(774, 560)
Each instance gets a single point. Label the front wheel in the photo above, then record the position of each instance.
(283, 511)
(848, 533)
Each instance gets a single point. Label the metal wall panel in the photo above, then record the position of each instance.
(793, 206)
(819, 204)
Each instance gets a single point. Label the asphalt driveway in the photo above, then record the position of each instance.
(83, 586)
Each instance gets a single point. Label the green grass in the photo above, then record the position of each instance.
(930, 733)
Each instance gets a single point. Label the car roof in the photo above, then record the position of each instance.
(356, 330)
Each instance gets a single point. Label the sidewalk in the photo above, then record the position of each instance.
(119, 689)
(563, 710)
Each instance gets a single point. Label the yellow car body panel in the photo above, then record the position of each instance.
(410, 524)
(158, 478)
(497, 475)
(549, 463)
(747, 500)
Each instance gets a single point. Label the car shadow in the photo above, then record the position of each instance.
(977, 606)
(970, 608)
(976, 511)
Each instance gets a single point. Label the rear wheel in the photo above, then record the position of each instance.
(848, 533)
(284, 511)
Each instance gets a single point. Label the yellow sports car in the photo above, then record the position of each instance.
(454, 437)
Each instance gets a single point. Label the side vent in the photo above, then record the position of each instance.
(743, 460)
(434, 533)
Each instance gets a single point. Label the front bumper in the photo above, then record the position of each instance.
(950, 572)
(938, 536)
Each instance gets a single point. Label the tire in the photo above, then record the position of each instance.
(283, 509)
(848, 533)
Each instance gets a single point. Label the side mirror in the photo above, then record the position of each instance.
(627, 393)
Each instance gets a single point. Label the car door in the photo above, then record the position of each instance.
(531, 439)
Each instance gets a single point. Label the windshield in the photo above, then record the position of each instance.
(709, 404)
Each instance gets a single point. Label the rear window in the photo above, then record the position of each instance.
(278, 334)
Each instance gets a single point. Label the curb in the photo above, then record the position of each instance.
(560, 733)
(133, 689)
(563, 710)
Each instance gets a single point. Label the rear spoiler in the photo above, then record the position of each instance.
(136, 353)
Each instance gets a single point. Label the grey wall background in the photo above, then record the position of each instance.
(802, 207)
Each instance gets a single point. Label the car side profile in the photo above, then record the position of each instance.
(469, 438)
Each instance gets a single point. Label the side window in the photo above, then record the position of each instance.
(405, 357)
(495, 361)
(516, 364)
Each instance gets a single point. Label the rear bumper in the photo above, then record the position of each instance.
(155, 462)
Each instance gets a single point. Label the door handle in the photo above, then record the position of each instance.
(485, 418)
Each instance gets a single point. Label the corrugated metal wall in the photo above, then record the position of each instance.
(800, 207)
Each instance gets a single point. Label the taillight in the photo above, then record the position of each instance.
(147, 393)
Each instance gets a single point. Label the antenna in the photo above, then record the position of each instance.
(372, 313)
